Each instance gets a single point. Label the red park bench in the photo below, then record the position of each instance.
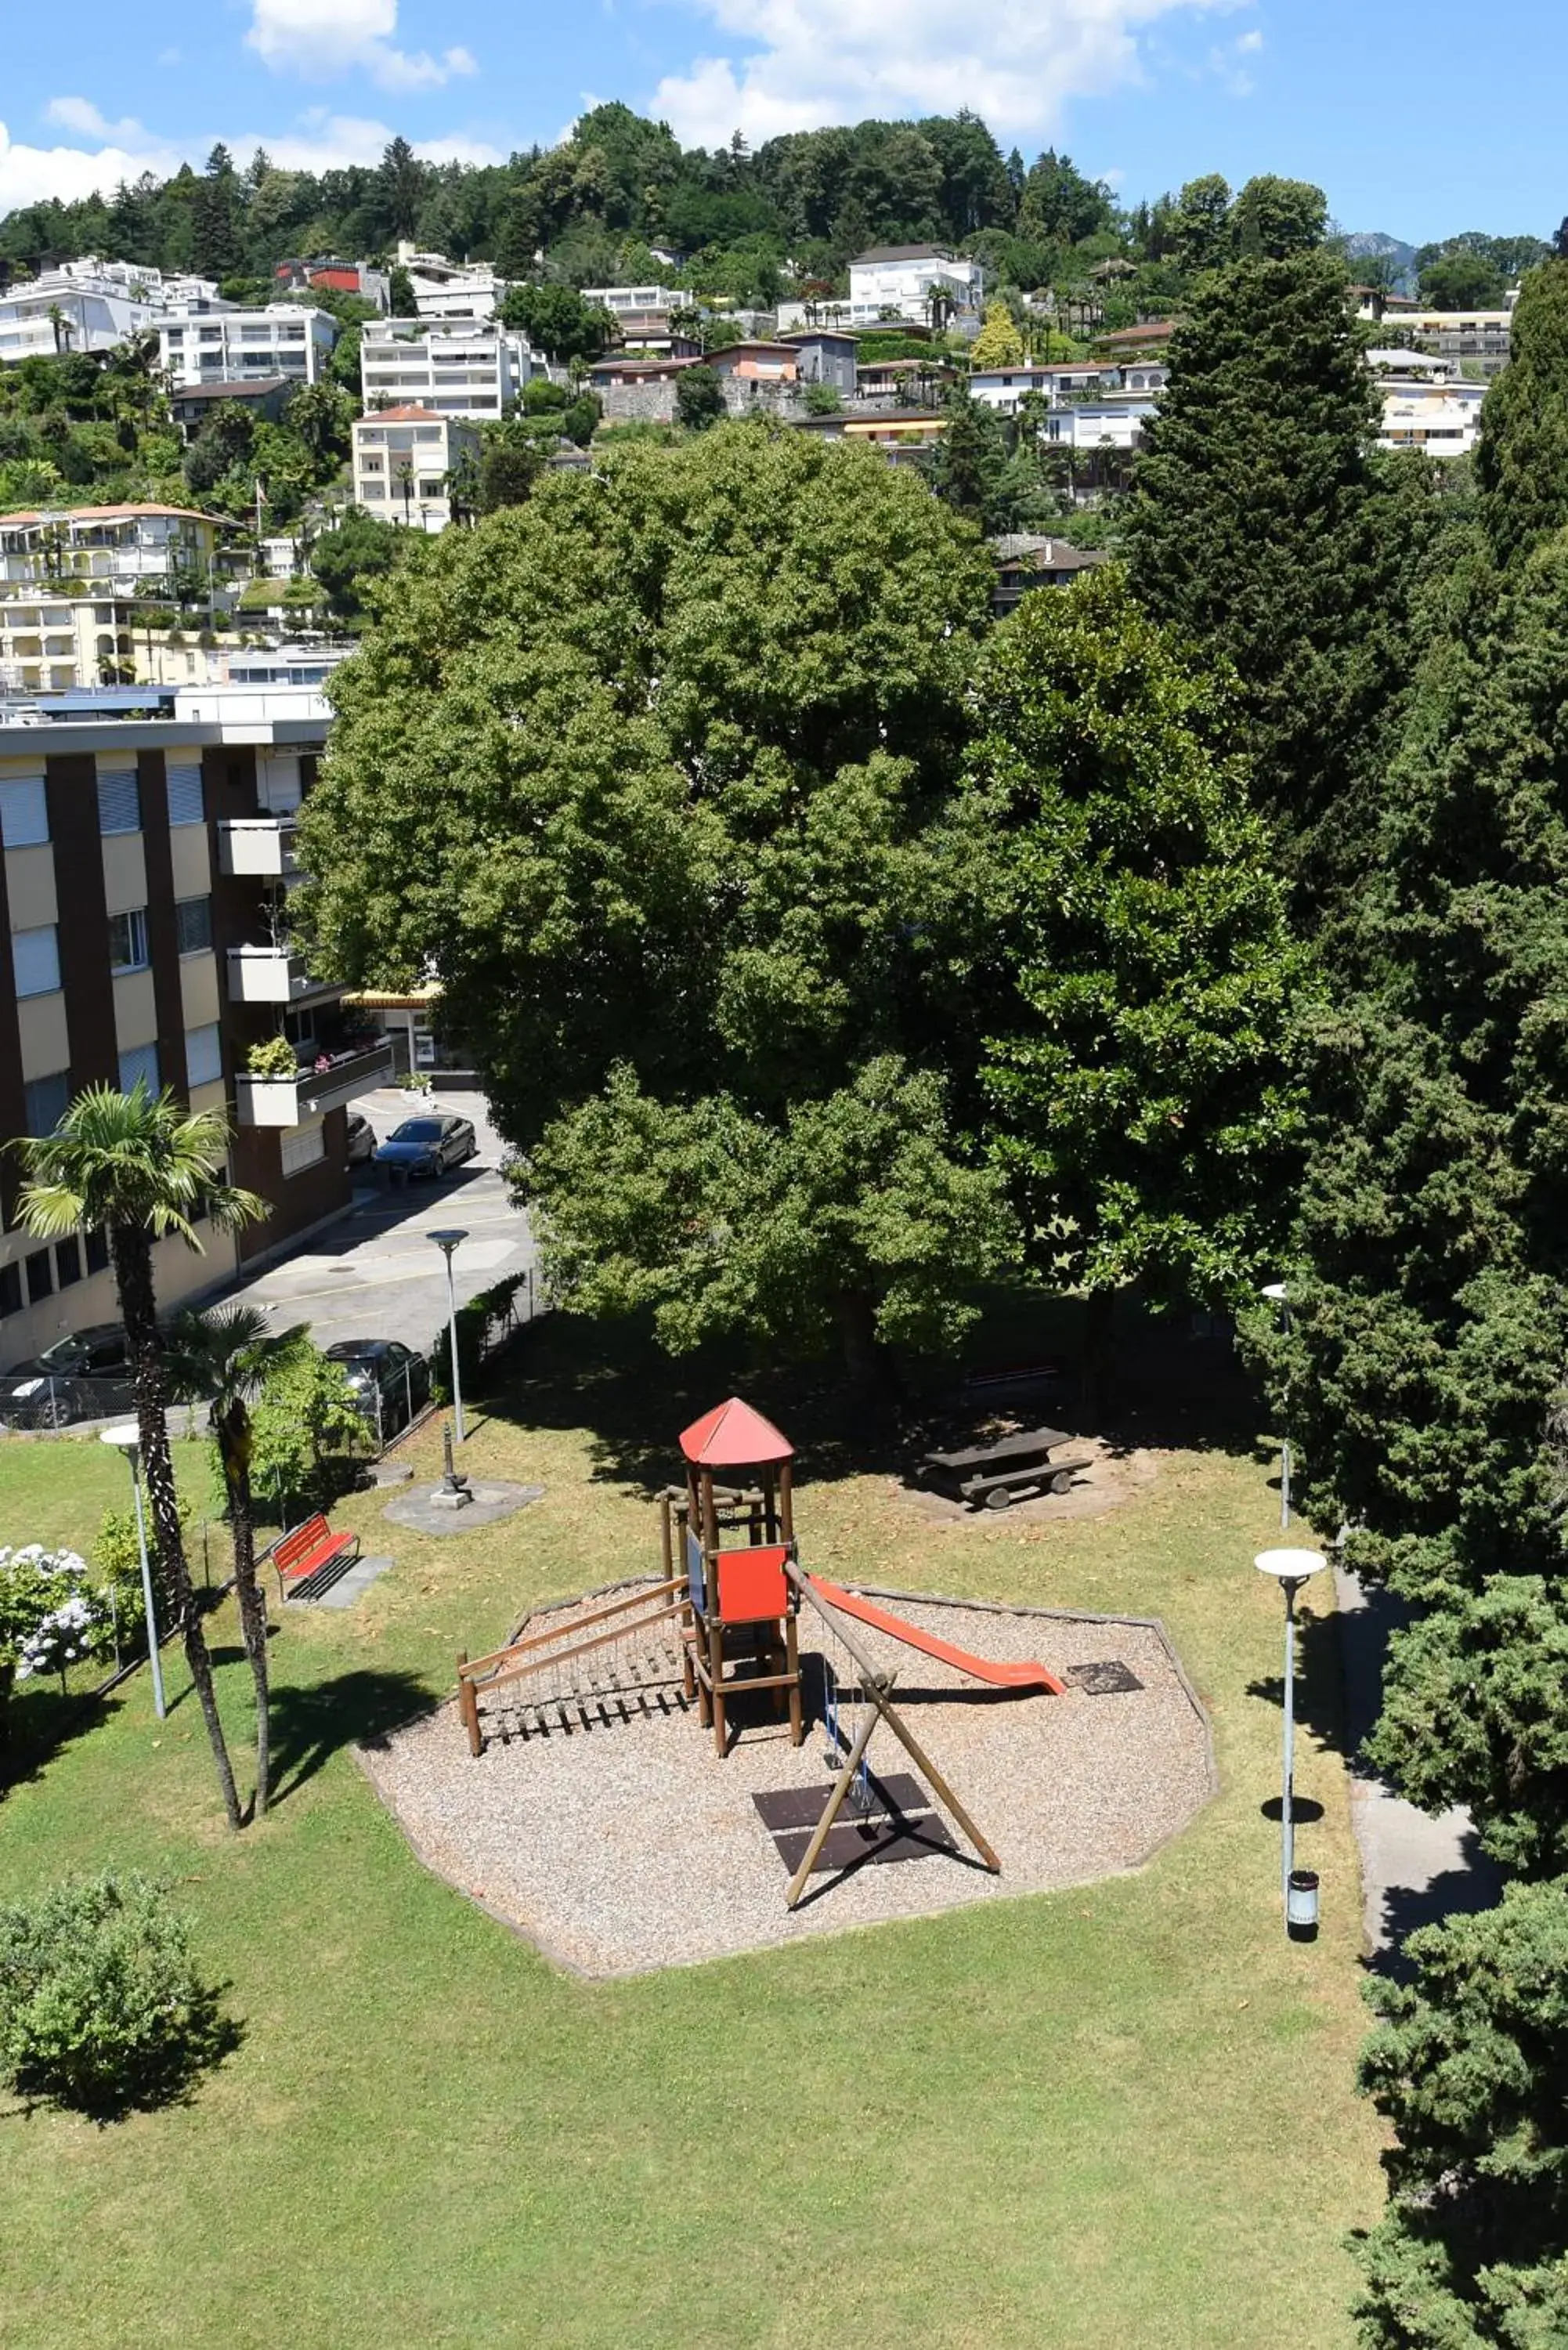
(305, 1553)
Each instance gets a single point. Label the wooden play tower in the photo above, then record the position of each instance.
(734, 1540)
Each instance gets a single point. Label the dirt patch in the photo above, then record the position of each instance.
(1112, 1478)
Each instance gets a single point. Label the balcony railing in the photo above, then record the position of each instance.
(285, 1101)
(258, 846)
(271, 975)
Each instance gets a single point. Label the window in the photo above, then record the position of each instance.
(67, 1261)
(203, 1055)
(193, 924)
(23, 812)
(97, 1250)
(36, 961)
(39, 1270)
(118, 801)
(139, 1067)
(303, 1146)
(10, 1289)
(45, 1101)
(128, 940)
(184, 783)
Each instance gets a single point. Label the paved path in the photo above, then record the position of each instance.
(1414, 1869)
(377, 1273)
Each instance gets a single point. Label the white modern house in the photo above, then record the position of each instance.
(118, 546)
(215, 342)
(459, 368)
(1444, 422)
(450, 290)
(896, 281)
(85, 306)
(403, 461)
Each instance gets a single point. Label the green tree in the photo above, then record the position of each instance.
(1260, 527)
(402, 302)
(699, 399)
(1274, 219)
(557, 321)
(1199, 226)
(226, 1359)
(1059, 206)
(1521, 460)
(144, 1169)
(347, 560)
(1461, 281)
(1467, 2065)
(510, 463)
(694, 719)
(999, 343)
(1139, 985)
(966, 464)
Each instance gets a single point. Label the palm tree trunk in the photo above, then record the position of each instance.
(131, 1252)
(236, 1442)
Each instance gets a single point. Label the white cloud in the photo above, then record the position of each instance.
(323, 142)
(1225, 63)
(1250, 44)
(1016, 63)
(321, 39)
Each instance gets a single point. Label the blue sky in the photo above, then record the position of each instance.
(1418, 122)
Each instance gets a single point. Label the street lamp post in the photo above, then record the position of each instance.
(449, 1242)
(127, 1439)
(1290, 1569)
(1276, 1290)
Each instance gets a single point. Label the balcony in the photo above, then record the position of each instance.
(285, 1101)
(271, 975)
(259, 847)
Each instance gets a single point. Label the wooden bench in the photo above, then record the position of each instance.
(994, 1476)
(310, 1551)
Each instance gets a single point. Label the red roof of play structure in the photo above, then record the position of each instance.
(733, 1436)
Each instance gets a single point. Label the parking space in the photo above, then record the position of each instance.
(378, 1274)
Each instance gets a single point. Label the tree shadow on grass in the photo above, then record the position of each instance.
(38, 1722)
(361, 1708)
(1172, 1390)
(165, 2073)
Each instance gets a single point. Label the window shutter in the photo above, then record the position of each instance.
(36, 961)
(118, 801)
(185, 805)
(139, 1062)
(23, 812)
(203, 1055)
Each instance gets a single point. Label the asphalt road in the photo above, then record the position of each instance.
(378, 1274)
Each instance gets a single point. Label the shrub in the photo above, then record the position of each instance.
(275, 1057)
(49, 1617)
(101, 2006)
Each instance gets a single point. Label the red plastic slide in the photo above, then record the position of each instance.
(983, 1668)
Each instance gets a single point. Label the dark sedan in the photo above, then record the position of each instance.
(392, 1384)
(427, 1146)
(83, 1376)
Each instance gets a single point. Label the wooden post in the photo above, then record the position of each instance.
(786, 1511)
(468, 1707)
(792, 1661)
(716, 1675)
(841, 1787)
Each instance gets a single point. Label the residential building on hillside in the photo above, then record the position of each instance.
(450, 290)
(335, 277)
(145, 875)
(1416, 367)
(266, 397)
(404, 461)
(460, 368)
(643, 317)
(901, 281)
(83, 306)
(217, 343)
(1026, 561)
(1441, 421)
(824, 356)
(1372, 302)
(1481, 336)
(901, 435)
(757, 362)
(119, 547)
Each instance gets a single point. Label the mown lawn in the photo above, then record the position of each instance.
(1120, 2117)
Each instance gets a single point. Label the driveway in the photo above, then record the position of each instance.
(377, 1273)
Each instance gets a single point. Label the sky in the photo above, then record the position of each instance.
(1418, 123)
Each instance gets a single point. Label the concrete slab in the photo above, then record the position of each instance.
(351, 1587)
(493, 1499)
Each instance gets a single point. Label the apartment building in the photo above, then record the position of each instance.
(450, 290)
(215, 343)
(895, 282)
(89, 305)
(457, 368)
(404, 459)
(110, 550)
(1444, 422)
(643, 320)
(143, 888)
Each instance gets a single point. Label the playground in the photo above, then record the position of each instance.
(856, 1744)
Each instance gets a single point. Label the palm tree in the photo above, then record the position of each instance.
(405, 478)
(143, 1167)
(225, 1359)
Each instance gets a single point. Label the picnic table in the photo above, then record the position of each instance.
(994, 1476)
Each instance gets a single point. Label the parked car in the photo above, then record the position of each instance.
(361, 1138)
(83, 1376)
(392, 1384)
(428, 1145)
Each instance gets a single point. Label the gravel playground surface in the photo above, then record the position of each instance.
(626, 1845)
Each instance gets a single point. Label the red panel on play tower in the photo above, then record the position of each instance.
(751, 1586)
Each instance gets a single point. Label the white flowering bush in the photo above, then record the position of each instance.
(50, 1616)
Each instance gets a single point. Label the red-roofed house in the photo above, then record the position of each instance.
(404, 462)
(115, 547)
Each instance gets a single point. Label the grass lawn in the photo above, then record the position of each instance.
(1119, 2116)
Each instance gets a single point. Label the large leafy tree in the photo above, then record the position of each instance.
(1468, 2064)
(1260, 527)
(646, 772)
(145, 1169)
(1140, 984)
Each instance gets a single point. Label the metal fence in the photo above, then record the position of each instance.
(44, 1406)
